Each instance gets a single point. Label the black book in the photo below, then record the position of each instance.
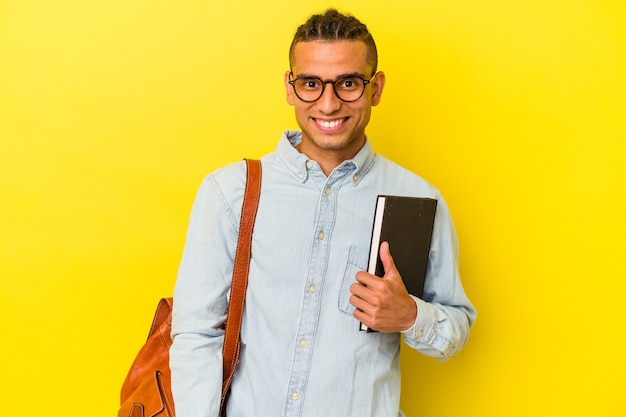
(407, 224)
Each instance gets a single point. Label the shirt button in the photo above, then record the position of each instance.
(301, 175)
(303, 343)
(327, 191)
(309, 164)
(295, 396)
(312, 289)
(321, 235)
(420, 333)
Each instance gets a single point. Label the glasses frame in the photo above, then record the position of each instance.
(334, 83)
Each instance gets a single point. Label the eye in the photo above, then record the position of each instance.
(309, 83)
(348, 83)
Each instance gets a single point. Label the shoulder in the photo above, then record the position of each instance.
(402, 181)
(227, 180)
(223, 188)
(230, 175)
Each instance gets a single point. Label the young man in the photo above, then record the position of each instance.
(302, 353)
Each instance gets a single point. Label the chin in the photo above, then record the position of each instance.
(335, 142)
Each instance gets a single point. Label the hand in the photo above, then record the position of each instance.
(383, 304)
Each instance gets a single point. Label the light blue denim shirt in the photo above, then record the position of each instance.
(302, 352)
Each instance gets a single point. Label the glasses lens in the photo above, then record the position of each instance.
(308, 89)
(349, 88)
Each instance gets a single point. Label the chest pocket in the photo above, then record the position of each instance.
(357, 261)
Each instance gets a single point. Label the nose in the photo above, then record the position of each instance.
(328, 103)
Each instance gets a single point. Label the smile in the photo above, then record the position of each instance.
(330, 124)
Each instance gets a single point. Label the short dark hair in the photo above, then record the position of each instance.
(335, 26)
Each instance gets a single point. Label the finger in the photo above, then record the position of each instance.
(359, 304)
(361, 276)
(387, 260)
(365, 278)
(359, 290)
(361, 316)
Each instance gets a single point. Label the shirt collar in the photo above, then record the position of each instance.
(299, 164)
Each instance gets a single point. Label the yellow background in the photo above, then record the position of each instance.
(112, 112)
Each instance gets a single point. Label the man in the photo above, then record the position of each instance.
(302, 353)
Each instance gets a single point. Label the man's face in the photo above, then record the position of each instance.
(332, 128)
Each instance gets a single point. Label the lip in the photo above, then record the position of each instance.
(330, 125)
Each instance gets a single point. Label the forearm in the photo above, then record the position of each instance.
(196, 365)
(196, 353)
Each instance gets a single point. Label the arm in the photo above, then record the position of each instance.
(200, 304)
(438, 324)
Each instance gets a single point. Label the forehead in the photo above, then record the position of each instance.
(329, 59)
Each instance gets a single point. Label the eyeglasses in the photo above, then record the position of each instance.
(347, 88)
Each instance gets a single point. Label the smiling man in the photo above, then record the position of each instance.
(302, 353)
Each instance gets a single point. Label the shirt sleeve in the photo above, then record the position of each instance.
(445, 314)
(201, 302)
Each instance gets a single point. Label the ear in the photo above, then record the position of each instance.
(377, 87)
(289, 89)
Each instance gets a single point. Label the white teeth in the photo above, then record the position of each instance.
(330, 124)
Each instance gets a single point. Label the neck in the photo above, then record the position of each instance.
(329, 158)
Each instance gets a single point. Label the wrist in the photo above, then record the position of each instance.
(412, 318)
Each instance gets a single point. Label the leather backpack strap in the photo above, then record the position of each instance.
(241, 268)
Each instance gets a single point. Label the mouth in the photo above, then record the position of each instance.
(330, 125)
